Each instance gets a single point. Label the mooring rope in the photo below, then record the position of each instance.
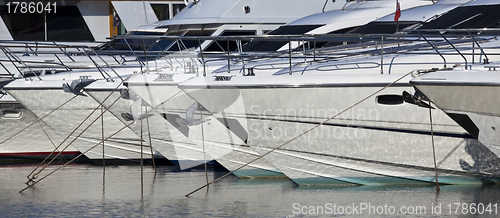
(142, 163)
(203, 145)
(95, 109)
(300, 135)
(35, 175)
(15, 134)
(48, 137)
(102, 137)
(433, 149)
(82, 153)
(150, 141)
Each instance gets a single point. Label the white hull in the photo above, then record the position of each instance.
(212, 136)
(370, 144)
(36, 142)
(165, 138)
(470, 98)
(41, 101)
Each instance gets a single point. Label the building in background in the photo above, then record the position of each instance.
(84, 20)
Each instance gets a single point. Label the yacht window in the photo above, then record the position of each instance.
(480, 16)
(387, 27)
(65, 25)
(370, 28)
(390, 99)
(11, 114)
(222, 45)
(135, 44)
(275, 45)
(163, 44)
(178, 8)
(162, 11)
(188, 44)
(320, 44)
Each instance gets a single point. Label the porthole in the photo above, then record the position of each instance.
(390, 99)
(11, 114)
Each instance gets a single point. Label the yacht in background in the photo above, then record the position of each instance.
(88, 21)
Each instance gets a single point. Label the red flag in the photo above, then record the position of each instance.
(398, 12)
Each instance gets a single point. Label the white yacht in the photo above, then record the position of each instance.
(242, 18)
(229, 148)
(382, 140)
(243, 15)
(468, 97)
(33, 144)
(75, 26)
(71, 121)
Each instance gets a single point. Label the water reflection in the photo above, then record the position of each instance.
(79, 190)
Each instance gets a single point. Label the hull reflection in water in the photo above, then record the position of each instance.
(85, 194)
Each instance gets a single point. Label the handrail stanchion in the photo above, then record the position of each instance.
(382, 55)
(465, 59)
(228, 60)
(202, 58)
(486, 60)
(434, 47)
(290, 54)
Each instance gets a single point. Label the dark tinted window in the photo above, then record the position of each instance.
(481, 16)
(65, 25)
(135, 44)
(222, 45)
(275, 45)
(178, 8)
(387, 27)
(187, 44)
(161, 11)
(320, 44)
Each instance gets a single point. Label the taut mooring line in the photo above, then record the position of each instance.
(100, 105)
(12, 136)
(203, 143)
(103, 157)
(78, 136)
(150, 142)
(126, 126)
(433, 149)
(142, 161)
(52, 142)
(318, 125)
(35, 175)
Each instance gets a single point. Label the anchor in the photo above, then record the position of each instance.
(190, 121)
(417, 99)
(77, 85)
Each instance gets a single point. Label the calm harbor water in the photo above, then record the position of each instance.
(79, 190)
